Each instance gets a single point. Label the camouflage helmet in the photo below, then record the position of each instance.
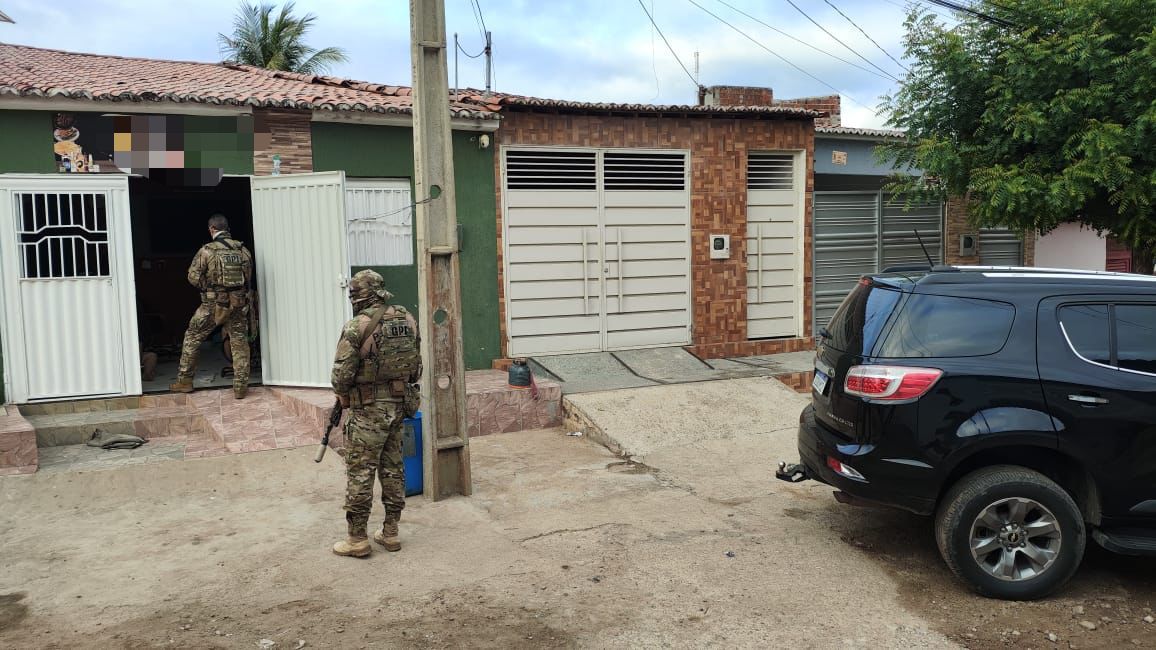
(368, 285)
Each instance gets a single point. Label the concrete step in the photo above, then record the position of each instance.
(77, 428)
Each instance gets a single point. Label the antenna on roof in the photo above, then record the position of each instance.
(930, 264)
(696, 68)
(5, 19)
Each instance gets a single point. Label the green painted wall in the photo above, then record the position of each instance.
(386, 151)
(26, 142)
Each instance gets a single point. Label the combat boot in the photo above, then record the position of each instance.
(239, 392)
(388, 536)
(353, 547)
(182, 386)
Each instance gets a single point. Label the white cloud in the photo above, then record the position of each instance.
(597, 50)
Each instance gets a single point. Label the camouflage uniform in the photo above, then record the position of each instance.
(205, 275)
(362, 371)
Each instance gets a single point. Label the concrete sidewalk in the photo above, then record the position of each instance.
(601, 371)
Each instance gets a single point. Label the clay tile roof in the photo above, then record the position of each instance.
(35, 72)
(854, 130)
(495, 101)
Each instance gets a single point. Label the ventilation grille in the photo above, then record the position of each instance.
(644, 171)
(551, 170)
(62, 235)
(771, 171)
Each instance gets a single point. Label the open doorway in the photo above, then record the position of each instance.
(169, 225)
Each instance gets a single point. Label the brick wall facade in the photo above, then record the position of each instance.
(287, 133)
(832, 105)
(718, 153)
(956, 224)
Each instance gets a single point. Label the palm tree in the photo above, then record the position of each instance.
(276, 41)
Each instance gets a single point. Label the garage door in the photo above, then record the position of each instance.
(597, 253)
(857, 233)
(1000, 247)
(774, 256)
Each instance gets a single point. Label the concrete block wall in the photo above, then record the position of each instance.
(718, 154)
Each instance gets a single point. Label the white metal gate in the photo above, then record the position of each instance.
(774, 244)
(69, 323)
(597, 249)
(302, 273)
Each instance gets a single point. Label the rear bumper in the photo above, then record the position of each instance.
(887, 482)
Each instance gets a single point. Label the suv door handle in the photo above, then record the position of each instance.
(1088, 400)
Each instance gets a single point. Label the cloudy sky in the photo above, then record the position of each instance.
(595, 50)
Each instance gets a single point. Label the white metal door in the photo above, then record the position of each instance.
(553, 252)
(774, 244)
(302, 269)
(597, 253)
(69, 324)
(646, 226)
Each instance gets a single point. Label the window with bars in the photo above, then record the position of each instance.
(643, 171)
(379, 225)
(63, 235)
(551, 170)
(770, 171)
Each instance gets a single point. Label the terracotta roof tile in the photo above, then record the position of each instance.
(495, 102)
(35, 72)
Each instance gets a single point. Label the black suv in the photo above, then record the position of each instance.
(1018, 406)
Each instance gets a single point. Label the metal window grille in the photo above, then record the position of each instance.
(379, 226)
(770, 171)
(551, 170)
(643, 171)
(62, 235)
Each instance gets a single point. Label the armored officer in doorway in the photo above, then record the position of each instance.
(223, 272)
(375, 375)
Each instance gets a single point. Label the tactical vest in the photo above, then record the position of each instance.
(229, 263)
(389, 353)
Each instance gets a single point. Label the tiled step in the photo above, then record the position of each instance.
(259, 422)
(77, 428)
(18, 452)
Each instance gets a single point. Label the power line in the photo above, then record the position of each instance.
(668, 46)
(472, 56)
(774, 53)
(837, 39)
(481, 17)
(799, 40)
(955, 6)
(862, 31)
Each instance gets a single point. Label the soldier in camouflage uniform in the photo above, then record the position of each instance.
(223, 272)
(377, 364)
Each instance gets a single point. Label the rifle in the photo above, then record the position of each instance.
(334, 420)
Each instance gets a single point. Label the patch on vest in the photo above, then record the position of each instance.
(232, 268)
(397, 330)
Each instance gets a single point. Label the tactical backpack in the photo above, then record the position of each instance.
(389, 350)
(230, 264)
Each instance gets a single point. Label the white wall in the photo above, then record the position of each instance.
(1071, 246)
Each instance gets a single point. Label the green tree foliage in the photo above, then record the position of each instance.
(1049, 121)
(276, 41)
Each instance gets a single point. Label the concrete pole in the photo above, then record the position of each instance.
(446, 443)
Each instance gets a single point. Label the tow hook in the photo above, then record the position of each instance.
(793, 473)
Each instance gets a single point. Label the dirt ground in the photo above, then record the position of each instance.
(563, 545)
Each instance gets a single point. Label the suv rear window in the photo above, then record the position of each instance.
(945, 326)
(856, 325)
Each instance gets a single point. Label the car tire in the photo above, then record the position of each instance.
(1010, 532)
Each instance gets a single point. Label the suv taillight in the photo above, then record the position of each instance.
(892, 383)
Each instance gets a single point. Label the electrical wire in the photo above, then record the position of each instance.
(668, 45)
(472, 56)
(481, 18)
(955, 6)
(839, 41)
(383, 215)
(801, 41)
(776, 54)
(868, 36)
(654, 60)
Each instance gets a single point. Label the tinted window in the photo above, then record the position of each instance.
(856, 325)
(1088, 328)
(1136, 337)
(942, 326)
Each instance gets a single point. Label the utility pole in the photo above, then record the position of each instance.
(489, 62)
(445, 441)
